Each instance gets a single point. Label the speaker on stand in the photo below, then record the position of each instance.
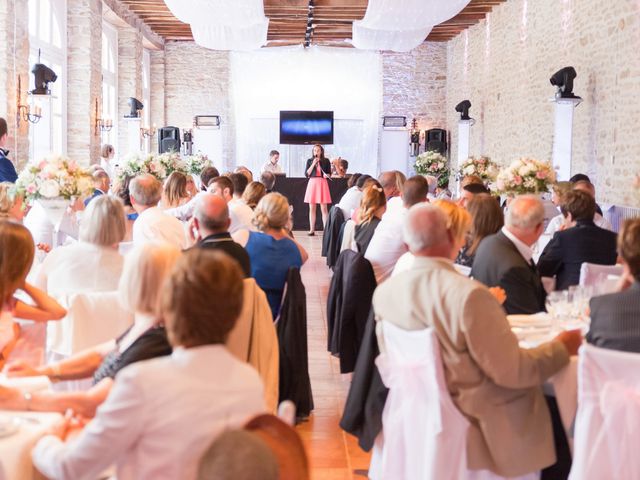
(168, 139)
(436, 140)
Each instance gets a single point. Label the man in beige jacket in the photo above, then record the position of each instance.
(495, 383)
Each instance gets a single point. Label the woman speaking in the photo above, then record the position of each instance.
(318, 169)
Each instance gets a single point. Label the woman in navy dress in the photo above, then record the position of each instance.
(318, 169)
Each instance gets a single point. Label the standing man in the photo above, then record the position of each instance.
(7, 170)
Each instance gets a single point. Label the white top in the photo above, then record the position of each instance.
(153, 225)
(185, 212)
(80, 267)
(43, 230)
(159, 418)
(556, 222)
(350, 201)
(387, 244)
(525, 250)
(241, 216)
(270, 167)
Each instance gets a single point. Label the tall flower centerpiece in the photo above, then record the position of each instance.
(482, 167)
(172, 162)
(54, 182)
(136, 164)
(526, 175)
(196, 163)
(433, 163)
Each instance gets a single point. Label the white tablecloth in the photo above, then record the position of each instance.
(15, 449)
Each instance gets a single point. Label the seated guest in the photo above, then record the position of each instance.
(272, 165)
(268, 179)
(582, 241)
(244, 171)
(185, 212)
(469, 191)
(558, 192)
(174, 192)
(339, 167)
(505, 258)
(253, 193)
(433, 185)
(208, 174)
(614, 317)
(7, 170)
(588, 187)
(242, 211)
(12, 206)
(350, 200)
(152, 224)
(93, 264)
(223, 187)
(192, 189)
(146, 268)
(161, 414)
(101, 184)
(386, 246)
(120, 189)
(210, 229)
(393, 186)
(469, 179)
(372, 207)
(271, 249)
(492, 381)
(486, 219)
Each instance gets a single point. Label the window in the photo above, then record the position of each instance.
(48, 40)
(110, 82)
(146, 95)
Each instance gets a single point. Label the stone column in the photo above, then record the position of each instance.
(157, 94)
(84, 79)
(129, 82)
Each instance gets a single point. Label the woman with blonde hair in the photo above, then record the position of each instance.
(12, 206)
(253, 194)
(271, 249)
(372, 207)
(16, 258)
(145, 271)
(174, 193)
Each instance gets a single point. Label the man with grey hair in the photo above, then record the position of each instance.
(505, 258)
(101, 183)
(209, 228)
(492, 381)
(152, 224)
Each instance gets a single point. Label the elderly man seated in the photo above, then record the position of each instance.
(494, 383)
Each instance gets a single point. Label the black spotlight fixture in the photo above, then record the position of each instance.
(463, 109)
(43, 75)
(563, 80)
(135, 105)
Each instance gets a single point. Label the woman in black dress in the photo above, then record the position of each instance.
(317, 170)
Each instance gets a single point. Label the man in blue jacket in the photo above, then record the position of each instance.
(7, 170)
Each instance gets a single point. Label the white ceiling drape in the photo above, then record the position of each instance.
(401, 25)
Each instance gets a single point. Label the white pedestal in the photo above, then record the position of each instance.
(563, 136)
(134, 140)
(394, 151)
(42, 132)
(464, 140)
(209, 142)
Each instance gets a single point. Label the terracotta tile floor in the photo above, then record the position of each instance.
(334, 454)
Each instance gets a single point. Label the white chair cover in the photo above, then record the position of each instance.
(597, 276)
(348, 236)
(92, 318)
(424, 434)
(607, 429)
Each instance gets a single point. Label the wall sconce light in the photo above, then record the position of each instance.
(102, 124)
(25, 112)
(148, 132)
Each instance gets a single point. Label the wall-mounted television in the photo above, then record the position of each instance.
(306, 128)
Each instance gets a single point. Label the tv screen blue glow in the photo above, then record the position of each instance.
(303, 128)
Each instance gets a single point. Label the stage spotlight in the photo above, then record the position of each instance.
(135, 105)
(463, 109)
(563, 80)
(43, 75)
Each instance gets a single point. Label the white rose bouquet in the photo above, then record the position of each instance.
(54, 177)
(433, 163)
(172, 162)
(482, 167)
(526, 175)
(160, 166)
(196, 163)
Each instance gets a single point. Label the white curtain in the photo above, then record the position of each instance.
(401, 25)
(345, 81)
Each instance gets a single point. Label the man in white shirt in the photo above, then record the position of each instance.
(153, 225)
(162, 414)
(350, 201)
(272, 164)
(387, 245)
(240, 214)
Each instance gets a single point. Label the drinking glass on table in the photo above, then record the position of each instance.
(557, 306)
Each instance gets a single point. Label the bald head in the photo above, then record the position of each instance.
(425, 231)
(212, 214)
(145, 191)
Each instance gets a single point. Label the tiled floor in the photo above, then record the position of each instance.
(334, 454)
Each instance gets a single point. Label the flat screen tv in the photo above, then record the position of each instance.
(306, 128)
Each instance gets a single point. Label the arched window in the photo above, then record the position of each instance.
(48, 43)
(110, 81)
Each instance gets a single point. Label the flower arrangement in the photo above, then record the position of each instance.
(196, 163)
(172, 162)
(433, 163)
(54, 177)
(482, 167)
(526, 175)
(136, 164)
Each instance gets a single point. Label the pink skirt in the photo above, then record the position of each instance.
(317, 191)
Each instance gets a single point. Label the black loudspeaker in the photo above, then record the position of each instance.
(169, 139)
(436, 140)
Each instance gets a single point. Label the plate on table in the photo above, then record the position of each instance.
(9, 425)
(537, 320)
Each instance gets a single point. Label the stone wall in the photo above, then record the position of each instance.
(503, 65)
(129, 83)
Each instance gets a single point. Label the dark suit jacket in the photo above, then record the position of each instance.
(7, 170)
(325, 165)
(331, 238)
(96, 193)
(224, 243)
(498, 263)
(570, 248)
(615, 320)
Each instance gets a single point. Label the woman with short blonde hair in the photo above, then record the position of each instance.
(253, 194)
(103, 222)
